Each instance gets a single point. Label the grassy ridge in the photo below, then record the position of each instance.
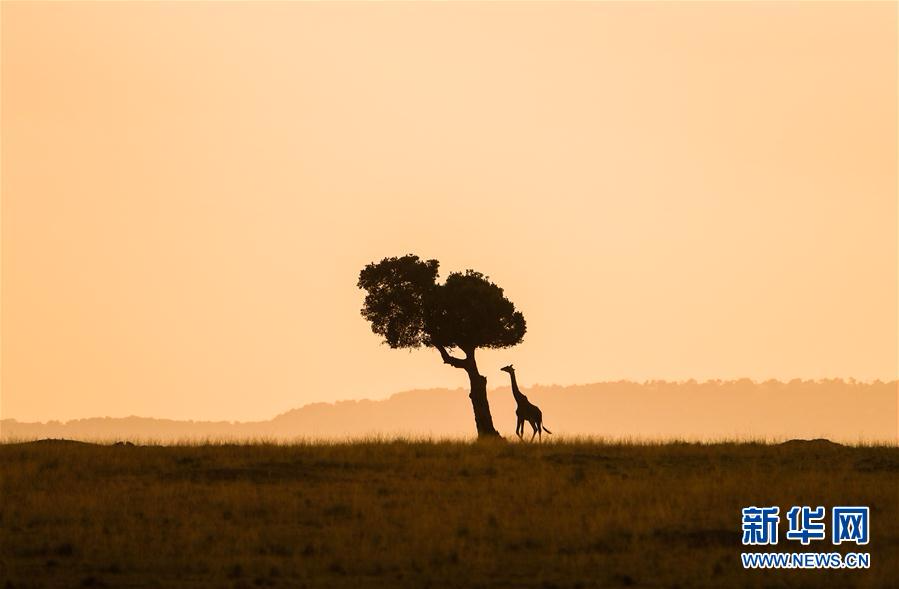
(442, 514)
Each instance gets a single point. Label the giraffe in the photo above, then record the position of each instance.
(526, 411)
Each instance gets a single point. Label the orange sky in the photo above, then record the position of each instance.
(678, 190)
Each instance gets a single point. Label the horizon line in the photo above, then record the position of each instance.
(690, 381)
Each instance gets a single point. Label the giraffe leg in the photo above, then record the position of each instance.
(535, 431)
(519, 429)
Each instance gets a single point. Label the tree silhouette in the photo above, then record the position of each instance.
(410, 309)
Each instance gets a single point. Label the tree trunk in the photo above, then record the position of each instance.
(478, 395)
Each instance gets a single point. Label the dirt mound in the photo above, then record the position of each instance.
(816, 443)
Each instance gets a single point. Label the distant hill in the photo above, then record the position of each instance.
(838, 410)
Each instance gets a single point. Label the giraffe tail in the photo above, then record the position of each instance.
(546, 430)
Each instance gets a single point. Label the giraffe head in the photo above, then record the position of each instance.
(508, 369)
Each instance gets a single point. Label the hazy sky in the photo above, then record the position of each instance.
(671, 191)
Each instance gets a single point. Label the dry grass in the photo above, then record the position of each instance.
(441, 514)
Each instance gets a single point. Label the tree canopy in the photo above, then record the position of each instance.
(408, 307)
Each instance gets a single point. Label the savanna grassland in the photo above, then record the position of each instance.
(426, 514)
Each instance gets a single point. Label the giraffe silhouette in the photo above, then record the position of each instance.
(526, 411)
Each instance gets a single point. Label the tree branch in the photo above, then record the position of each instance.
(447, 359)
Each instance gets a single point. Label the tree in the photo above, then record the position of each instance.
(410, 309)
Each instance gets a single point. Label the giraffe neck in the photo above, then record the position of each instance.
(516, 392)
